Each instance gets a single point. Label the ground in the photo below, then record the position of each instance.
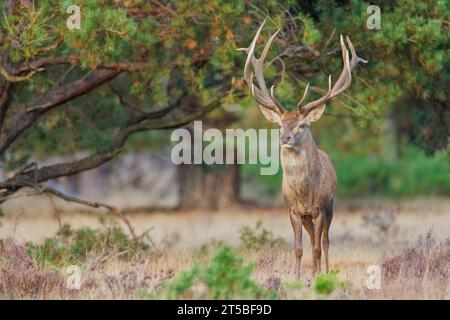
(362, 234)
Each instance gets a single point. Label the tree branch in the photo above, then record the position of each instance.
(6, 92)
(111, 209)
(158, 113)
(38, 64)
(13, 78)
(39, 175)
(124, 102)
(26, 71)
(34, 109)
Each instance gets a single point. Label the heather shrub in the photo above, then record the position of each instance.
(22, 277)
(429, 258)
(418, 271)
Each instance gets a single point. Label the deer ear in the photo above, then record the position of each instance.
(270, 115)
(315, 114)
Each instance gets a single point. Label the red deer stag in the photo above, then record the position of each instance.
(309, 179)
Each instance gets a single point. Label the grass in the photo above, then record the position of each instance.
(247, 261)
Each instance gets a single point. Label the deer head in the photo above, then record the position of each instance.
(293, 124)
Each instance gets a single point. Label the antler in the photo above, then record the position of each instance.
(260, 93)
(343, 81)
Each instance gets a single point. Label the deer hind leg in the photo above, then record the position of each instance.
(317, 250)
(296, 221)
(308, 223)
(326, 227)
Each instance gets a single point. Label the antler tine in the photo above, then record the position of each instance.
(258, 65)
(355, 57)
(248, 75)
(344, 80)
(305, 93)
(308, 107)
(260, 93)
(344, 74)
(338, 85)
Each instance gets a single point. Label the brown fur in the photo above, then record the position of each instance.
(309, 183)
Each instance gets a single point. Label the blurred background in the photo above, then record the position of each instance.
(388, 135)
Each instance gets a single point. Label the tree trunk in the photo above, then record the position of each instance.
(208, 187)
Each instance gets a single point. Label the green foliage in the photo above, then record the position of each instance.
(224, 277)
(406, 59)
(33, 29)
(310, 35)
(51, 253)
(258, 238)
(73, 246)
(365, 174)
(258, 184)
(327, 283)
(183, 282)
(196, 39)
(293, 285)
(211, 246)
(410, 175)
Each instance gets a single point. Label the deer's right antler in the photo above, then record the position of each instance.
(260, 93)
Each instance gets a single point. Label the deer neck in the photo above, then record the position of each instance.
(301, 163)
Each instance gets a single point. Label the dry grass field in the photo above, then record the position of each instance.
(409, 240)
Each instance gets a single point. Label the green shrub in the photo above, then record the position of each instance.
(327, 283)
(416, 173)
(359, 175)
(183, 282)
(50, 253)
(411, 175)
(224, 277)
(206, 248)
(72, 246)
(258, 238)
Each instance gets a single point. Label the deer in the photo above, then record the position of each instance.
(309, 178)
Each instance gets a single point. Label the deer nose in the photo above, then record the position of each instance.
(285, 139)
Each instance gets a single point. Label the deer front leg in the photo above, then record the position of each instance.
(296, 221)
(328, 217)
(308, 223)
(317, 250)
